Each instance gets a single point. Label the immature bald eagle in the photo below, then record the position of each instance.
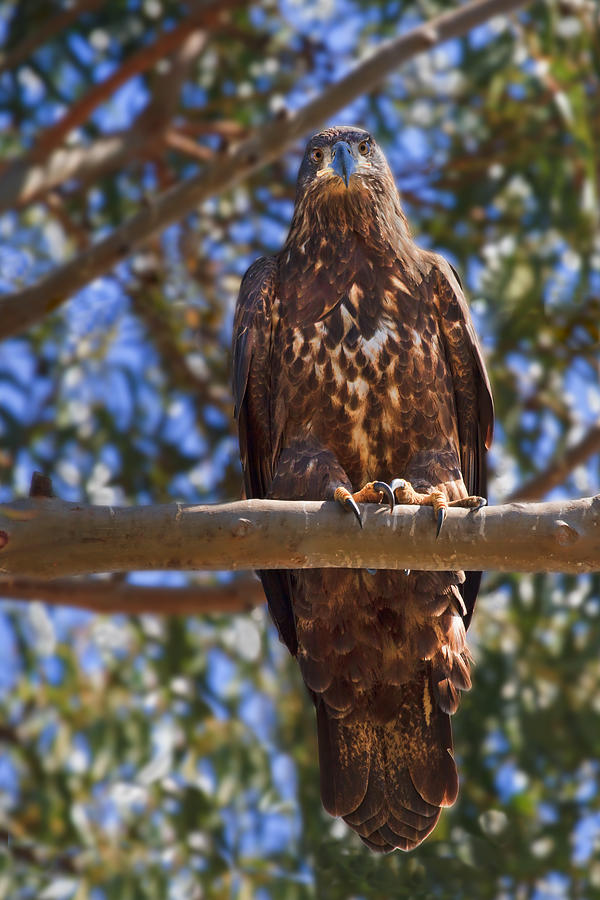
(358, 376)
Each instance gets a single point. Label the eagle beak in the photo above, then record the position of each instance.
(342, 161)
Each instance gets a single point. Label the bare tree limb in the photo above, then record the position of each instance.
(41, 537)
(30, 181)
(81, 162)
(202, 12)
(242, 594)
(21, 309)
(107, 596)
(47, 163)
(559, 469)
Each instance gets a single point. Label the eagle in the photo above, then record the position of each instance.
(358, 377)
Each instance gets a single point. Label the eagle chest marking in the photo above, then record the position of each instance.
(359, 365)
(427, 705)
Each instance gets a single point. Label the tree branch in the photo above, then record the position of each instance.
(109, 596)
(21, 309)
(89, 162)
(202, 13)
(46, 537)
(81, 162)
(559, 469)
(48, 164)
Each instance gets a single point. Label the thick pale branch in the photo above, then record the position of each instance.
(50, 538)
(107, 596)
(21, 309)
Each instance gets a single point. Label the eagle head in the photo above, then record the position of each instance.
(340, 162)
(346, 203)
(345, 186)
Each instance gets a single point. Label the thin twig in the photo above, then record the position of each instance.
(184, 144)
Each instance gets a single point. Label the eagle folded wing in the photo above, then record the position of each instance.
(472, 393)
(259, 433)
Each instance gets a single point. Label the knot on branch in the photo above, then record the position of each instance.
(565, 534)
(241, 528)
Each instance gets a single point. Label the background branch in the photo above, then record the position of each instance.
(109, 596)
(556, 473)
(21, 309)
(50, 164)
(202, 13)
(49, 538)
(82, 162)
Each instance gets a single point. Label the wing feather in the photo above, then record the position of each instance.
(472, 393)
(258, 428)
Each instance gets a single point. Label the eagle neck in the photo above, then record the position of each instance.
(333, 246)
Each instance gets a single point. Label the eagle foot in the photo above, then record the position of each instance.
(372, 492)
(404, 493)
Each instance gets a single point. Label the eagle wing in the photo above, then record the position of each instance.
(472, 393)
(259, 428)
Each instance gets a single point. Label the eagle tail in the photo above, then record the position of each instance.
(388, 777)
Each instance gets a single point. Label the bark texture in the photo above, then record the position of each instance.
(49, 538)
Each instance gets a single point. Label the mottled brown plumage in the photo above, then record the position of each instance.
(355, 359)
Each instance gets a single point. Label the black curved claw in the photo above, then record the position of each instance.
(351, 504)
(397, 483)
(385, 489)
(441, 518)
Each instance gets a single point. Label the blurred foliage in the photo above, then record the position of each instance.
(163, 758)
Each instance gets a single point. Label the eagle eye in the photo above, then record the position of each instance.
(364, 147)
(317, 155)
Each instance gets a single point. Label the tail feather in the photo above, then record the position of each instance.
(389, 781)
(344, 762)
(403, 833)
(370, 825)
